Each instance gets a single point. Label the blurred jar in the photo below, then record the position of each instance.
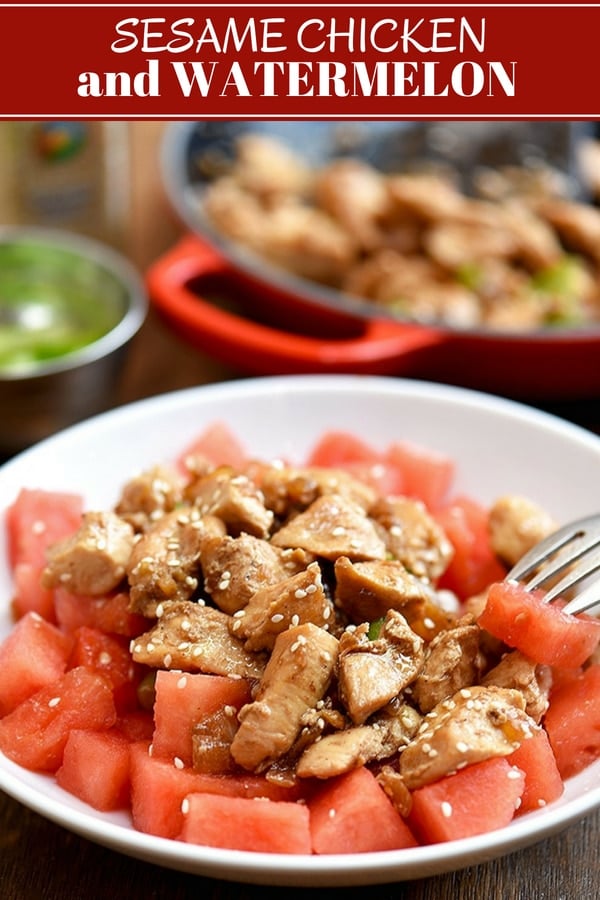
(70, 175)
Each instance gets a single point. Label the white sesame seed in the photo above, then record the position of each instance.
(465, 692)
(182, 683)
(159, 610)
(462, 747)
(185, 806)
(185, 625)
(295, 620)
(276, 618)
(167, 660)
(446, 809)
(428, 623)
(54, 702)
(105, 658)
(239, 614)
(66, 576)
(300, 594)
(178, 763)
(311, 589)
(38, 527)
(332, 813)
(513, 773)
(338, 530)
(184, 645)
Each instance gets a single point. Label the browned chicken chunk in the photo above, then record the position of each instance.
(516, 524)
(297, 676)
(367, 590)
(373, 672)
(288, 490)
(234, 499)
(165, 562)
(518, 672)
(332, 526)
(477, 723)
(273, 608)
(94, 559)
(149, 495)
(413, 536)
(195, 638)
(345, 750)
(453, 660)
(236, 568)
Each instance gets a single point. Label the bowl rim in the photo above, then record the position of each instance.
(104, 256)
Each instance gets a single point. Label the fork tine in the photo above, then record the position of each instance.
(570, 553)
(586, 599)
(532, 560)
(578, 573)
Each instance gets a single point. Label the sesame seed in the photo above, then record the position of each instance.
(311, 589)
(66, 576)
(465, 692)
(295, 620)
(185, 806)
(239, 614)
(428, 623)
(446, 809)
(173, 563)
(541, 802)
(178, 763)
(150, 648)
(229, 710)
(338, 530)
(236, 625)
(54, 702)
(105, 658)
(38, 527)
(159, 610)
(300, 594)
(327, 612)
(276, 618)
(184, 645)
(191, 581)
(181, 684)
(332, 813)
(224, 584)
(167, 660)
(513, 773)
(462, 747)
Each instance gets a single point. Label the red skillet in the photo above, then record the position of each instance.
(283, 324)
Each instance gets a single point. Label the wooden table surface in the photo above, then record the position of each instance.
(42, 861)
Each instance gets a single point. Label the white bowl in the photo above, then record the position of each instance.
(499, 446)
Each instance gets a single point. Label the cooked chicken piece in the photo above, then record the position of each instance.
(429, 196)
(296, 678)
(273, 608)
(515, 670)
(367, 590)
(578, 224)
(290, 490)
(454, 245)
(267, 167)
(234, 499)
(413, 536)
(211, 742)
(536, 242)
(340, 752)
(150, 494)
(93, 560)
(393, 784)
(165, 562)
(355, 194)
(236, 213)
(516, 525)
(475, 724)
(373, 672)
(453, 660)
(332, 526)
(195, 638)
(236, 568)
(306, 241)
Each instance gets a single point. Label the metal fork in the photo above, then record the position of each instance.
(575, 548)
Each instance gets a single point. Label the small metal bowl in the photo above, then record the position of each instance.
(40, 395)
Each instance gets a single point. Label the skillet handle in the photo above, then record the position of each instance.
(384, 346)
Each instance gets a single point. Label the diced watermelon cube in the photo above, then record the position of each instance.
(109, 655)
(342, 450)
(182, 700)
(541, 630)
(573, 722)
(110, 614)
(29, 595)
(219, 445)
(426, 474)
(35, 733)
(475, 800)
(239, 823)
(136, 725)
(474, 565)
(33, 655)
(95, 768)
(352, 814)
(543, 783)
(38, 518)
(158, 787)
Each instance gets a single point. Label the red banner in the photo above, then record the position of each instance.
(294, 61)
